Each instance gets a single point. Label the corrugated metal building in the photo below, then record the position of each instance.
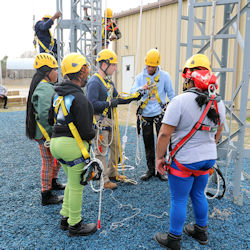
(18, 68)
(159, 30)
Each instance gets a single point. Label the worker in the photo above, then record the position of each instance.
(67, 145)
(158, 85)
(37, 127)
(3, 95)
(43, 34)
(111, 29)
(104, 97)
(192, 126)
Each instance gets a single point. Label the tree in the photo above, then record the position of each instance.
(3, 65)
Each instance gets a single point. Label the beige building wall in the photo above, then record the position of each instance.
(159, 30)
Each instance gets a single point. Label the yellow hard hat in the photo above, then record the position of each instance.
(72, 63)
(197, 60)
(153, 58)
(47, 16)
(107, 55)
(45, 59)
(108, 13)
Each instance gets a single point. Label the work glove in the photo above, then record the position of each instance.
(114, 103)
(141, 93)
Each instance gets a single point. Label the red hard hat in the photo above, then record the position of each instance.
(201, 78)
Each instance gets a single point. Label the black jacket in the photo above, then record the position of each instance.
(81, 112)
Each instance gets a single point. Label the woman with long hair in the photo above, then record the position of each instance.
(37, 127)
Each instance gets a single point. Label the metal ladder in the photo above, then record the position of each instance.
(85, 29)
(197, 40)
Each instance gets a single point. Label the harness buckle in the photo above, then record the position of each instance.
(211, 90)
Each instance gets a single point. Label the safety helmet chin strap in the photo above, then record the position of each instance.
(105, 71)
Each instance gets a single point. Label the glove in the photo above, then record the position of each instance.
(113, 103)
(141, 93)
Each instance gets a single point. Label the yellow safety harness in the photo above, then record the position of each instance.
(108, 28)
(110, 90)
(153, 91)
(52, 42)
(42, 129)
(59, 102)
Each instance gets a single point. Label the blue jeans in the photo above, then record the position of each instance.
(180, 189)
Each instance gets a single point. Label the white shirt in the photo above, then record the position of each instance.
(183, 112)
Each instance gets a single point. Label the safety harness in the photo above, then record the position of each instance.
(153, 91)
(185, 172)
(51, 45)
(42, 129)
(62, 112)
(110, 28)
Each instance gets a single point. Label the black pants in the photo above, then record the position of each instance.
(148, 139)
(5, 99)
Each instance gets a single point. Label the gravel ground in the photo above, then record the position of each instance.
(131, 215)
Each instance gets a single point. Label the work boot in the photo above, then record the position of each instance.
(198, 233)
(48, 198)
(168, 240)
(162, 177)
(119, 178)
(64, 225)
(56, 185)
(147, 176)
(81, 229)
(110, 185)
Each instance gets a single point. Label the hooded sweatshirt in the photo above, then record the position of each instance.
(164, 86)
(81, 112)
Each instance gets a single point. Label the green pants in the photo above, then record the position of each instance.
(66, 148)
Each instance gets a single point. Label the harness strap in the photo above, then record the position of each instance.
(43, 131)
(75, 162)
(154, 91)
(109, 92)
(52, 42)
(196, 127)
(72, 127)
(184, 171)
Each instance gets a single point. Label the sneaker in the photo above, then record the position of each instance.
(110, 185)
(5, 107)
(118, 178)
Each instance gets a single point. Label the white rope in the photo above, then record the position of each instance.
(125, 138)
(139, 154)
(207, 189)
(105, 27)
(121, 223)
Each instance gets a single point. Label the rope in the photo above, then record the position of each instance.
(211, 189)
(125, 138)
(115, 225)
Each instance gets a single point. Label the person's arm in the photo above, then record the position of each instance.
(169, 87)
(45, 25)
(82, 113)
(93, 95)
(218, 134)
(138, 84)
(56, 15)
(162, 143)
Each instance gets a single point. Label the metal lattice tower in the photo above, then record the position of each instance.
(201, 37)
(85, 29)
